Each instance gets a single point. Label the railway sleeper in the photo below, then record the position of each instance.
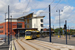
(18, 47)
(26, 46)
(36, 46)
(62, 46)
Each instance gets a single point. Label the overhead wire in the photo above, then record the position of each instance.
(46, 7)
(56, 4)
(49, 4)
(27, 6)
(52, 8)
(25, 9)
(22, 12)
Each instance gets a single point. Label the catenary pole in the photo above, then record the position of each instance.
(69, 32)
(50, 23)
(11, 28)
(66, 30)
(8, 26)
(5, 27)
(53, 27)
(59, 24)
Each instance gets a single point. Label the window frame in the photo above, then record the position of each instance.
(41, 25)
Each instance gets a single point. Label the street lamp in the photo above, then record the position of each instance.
(5, 26)
(59, 20)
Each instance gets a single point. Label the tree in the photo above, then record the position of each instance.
(72, 31)
(57, 29)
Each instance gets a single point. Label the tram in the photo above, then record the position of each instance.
(37, 34)
(29, 34)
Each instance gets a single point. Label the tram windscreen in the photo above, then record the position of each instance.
(28, 33)
(38, 33)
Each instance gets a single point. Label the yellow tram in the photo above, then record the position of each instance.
(38, 34)
(30, 34)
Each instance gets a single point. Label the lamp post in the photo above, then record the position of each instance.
(5, 26)
(59, 21)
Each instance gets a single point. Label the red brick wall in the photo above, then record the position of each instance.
(14, 25)
(3, 24)
(45, 29)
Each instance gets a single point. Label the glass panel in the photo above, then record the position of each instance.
(19, 25)
(41, 25)
(41, 20)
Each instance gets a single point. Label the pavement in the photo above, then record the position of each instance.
(4, 46)
(61, 40)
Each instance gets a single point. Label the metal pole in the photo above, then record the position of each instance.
(50, 23)
(53, 27)
(11, 28)
(59, 24)
(5, 27)
(66, 30)
(17, 29)
(69, 32)
(8, 25)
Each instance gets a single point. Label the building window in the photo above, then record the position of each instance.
(1, 26)
(41, 25)
(27, 26)
(19, 25)
(41, 20)
(20, 20)
(27, 20)
(41, 29)
(1, 31)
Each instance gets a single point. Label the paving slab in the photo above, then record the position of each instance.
(4, 46)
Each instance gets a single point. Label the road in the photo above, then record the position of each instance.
(61, 40)
(22, 44)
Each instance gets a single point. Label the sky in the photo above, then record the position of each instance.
(19, 8)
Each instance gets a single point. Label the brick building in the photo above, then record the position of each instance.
(13, 25)
(20, 24)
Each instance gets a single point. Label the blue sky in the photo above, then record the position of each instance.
(67, 3)
(37, 6)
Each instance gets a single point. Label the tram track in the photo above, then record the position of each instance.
(44, 45)
(58, 45)
(25, 45)
(39, 45)
(52, 46)
(29, 44)
(20, 45)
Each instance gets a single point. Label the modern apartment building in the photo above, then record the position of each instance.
(20, 24)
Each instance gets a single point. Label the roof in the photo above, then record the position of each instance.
(12, 18)
(25, 28)
(38, 16)
(20, 18)
(25, 15)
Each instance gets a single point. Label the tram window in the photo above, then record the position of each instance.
(28, 34)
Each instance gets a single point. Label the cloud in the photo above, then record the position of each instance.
(18, 7)
(38, 12)
(67, 14)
